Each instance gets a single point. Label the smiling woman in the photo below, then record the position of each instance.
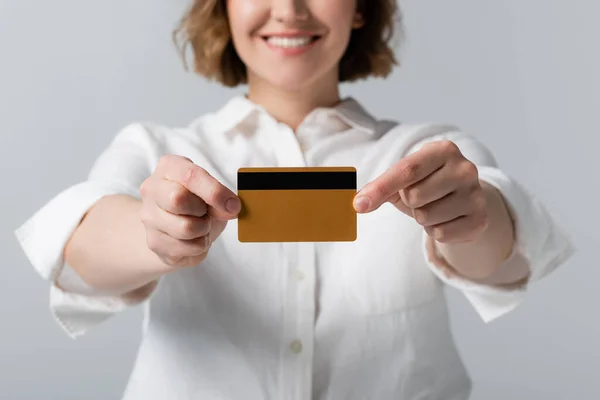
(358, 315)
(368, 52)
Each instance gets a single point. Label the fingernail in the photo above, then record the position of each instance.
(233, 205)
(362, 203)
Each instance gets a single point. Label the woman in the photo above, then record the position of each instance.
(156, 224)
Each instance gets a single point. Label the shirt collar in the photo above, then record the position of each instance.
(239, 111)
(355, 115)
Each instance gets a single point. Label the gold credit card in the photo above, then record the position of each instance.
(302, 204)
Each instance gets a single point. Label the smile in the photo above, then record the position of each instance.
(291, 42)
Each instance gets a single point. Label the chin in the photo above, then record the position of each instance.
(292, 82)
(287, 86)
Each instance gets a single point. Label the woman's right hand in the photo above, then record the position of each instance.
(184, 210)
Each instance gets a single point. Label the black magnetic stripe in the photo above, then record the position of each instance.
(296, 180)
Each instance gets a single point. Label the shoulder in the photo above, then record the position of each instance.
(407, 134)
(157, 134)
(402, 139)
(387, 129)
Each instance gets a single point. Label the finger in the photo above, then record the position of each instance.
(176, 199)
(406, 172)
(181, 227)
(460, 230)
(217, 227)
(446, 209)
(397, 202)
(434, 187)
(175, 251)
(223, 203)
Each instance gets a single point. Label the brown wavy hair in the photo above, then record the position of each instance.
(205, 28)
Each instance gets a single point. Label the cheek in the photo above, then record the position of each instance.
(336, 45)
(338, 17)
(245, 17)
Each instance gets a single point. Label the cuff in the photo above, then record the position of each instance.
(76, 306)
(539, 242)
(44, 236)
(490, 302)
(540, 239)
(76, 313)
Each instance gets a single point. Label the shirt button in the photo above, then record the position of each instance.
(296, 346)
(299, 275)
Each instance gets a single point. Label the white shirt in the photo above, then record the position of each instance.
(291, 321)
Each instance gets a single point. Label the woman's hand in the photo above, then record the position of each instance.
(438, 187)
(184, 210)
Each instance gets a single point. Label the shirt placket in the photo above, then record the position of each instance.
(299, 316)
(297, 349)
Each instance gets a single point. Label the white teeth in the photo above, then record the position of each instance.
(289, 42)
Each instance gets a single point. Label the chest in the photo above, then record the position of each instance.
(382, 271)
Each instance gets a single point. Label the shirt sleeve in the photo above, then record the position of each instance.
(120, 169)
(540, 241)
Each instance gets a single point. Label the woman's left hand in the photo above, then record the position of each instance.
(438, 187)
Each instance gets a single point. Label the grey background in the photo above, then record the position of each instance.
(522, 75)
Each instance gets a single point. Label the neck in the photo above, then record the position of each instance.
(292, 106)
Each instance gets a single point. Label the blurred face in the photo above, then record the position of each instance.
(291, 44)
